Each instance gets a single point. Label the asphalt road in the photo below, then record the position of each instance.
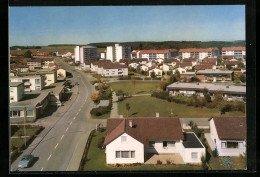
(62, 147)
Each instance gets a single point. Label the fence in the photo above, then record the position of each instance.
(84, 157)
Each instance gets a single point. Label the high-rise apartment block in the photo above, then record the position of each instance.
(85, 53)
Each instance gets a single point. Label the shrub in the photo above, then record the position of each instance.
(118, 165)
(121, 98)
(226, 162)
(168, 162)
(100, 142)
(159, 162)
(215, 152)
(225, 108)
(137, 164)
(119, 92)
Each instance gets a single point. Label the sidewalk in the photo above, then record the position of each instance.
(114, 111)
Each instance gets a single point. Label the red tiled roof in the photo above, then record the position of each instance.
(170, 60)
(140, 59)
(232, 62)
(153, 51)
(62, 52)
(207, 59)
(228, 56)
(18, 66)
(17, 53)
(198, 50)
(231, 128)
(184, 64)
(233, 48)
(204, 66)
(113, 65)
(189, 59)
(144, 129)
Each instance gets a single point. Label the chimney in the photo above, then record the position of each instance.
(121, 116)
(130, 123)
(157, 114)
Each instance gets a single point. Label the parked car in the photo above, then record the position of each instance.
(26, 161)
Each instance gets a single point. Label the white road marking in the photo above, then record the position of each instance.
(62, 137)
(42, 169)
(56, 145)
(77, 114)
(70, 122)
(67, 129)
(74, 118)
(49, 157)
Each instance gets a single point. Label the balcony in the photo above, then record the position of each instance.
(27, 83)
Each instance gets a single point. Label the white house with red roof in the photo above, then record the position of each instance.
(158, 72)
(237, 52)
(129, 139)
(228, 135)
(199, 53)
(151, 54)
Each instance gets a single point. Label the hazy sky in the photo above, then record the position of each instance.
(83, 25)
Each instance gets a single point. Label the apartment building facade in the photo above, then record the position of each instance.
(85, 53)
(152, 54)
(117, 52)
(237, 52)
(199, 53)
(16, 91)
(31, 83)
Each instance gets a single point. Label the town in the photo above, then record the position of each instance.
(86, 108)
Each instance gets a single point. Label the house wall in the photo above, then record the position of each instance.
(50, 78)
(16, 93)
(217, 142)
(157, 72)
(110, 53)
(62, 72)
(186, 154)
(131, 144)
(32, 84)
(158, 147)
(114, 72)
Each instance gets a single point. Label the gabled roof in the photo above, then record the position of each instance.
(230, 128)
(184, 64)
(140, 59)
(233, 48)
(204, 66)
(170, 60)
(207, 59)
(144, 129)
(189, 59)
(232, 63)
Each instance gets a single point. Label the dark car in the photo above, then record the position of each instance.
(26, 161)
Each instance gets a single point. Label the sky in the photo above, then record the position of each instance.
(84, 25)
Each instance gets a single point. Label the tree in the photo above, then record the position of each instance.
(127, 105)
(95, 97)
(178, 75)
(240, 65)
(206, 95)
(228, 67)
(54, 54)
(153, 75)
(242, 78)
(27, 54)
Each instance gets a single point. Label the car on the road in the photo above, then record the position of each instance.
(26, 161)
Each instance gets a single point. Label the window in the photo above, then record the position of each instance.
(29, 113)
(164, 144)
(151, 143)
(194, 155)
(11, 98)
(125, 154)
(11, 89)
(123, 138)
(117, 154)
(16, 113)
(240, 145)
(232, 144)
(132, 154)
(223, 145)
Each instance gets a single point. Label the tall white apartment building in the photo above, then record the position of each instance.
(31, 83)
(117, 52)
(85, 53)
(199, 53)
(237, 52)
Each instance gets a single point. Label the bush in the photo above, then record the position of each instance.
(226, 162)
(100, 142)
(119, 92)
(137, 164)
(168, 162)
(215, 152)
(225, 108)
(159, 162)
(121, 98)
(101, 110)
(118, 165)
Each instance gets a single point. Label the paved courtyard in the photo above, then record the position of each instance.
(174, 158)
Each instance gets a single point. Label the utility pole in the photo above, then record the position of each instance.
(24, 121)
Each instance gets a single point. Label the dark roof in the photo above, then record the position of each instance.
(204, 66)
(18, 66)
(232, 63)
(185, 64)
(112, 65)
(230, 128)
(140, 59)
(143, 129)
(189, 59)
(191, 141)
(170, 60)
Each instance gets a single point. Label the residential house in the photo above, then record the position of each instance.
(94, 65)
(215, 75)
(228, 135)
(16, 91)
(237, 52)
(63, 54)
(129, 139)
(144, 68)
(31, 83)
(126, 61)
(170, 62)
(158, 72)
(187, 75)
(208, 60)
(159, 60)
(199, 53)
(193, 61)
(229, 93)
(185, 65)
(204, 66)
(181, 70)
(114, 69)
(141, 61)
(134, 65)
(164, 67)
(20, 68)
(232, 64)
(34, 64)
(40, 54)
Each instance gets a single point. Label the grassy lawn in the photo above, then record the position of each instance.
(141, 87)
(96, 161)
(146, 106)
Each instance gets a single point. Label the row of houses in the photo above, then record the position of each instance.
(128, 140)
(35, 54)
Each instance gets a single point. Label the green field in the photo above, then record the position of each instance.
(140, 87)
(147, 106)
(96, 161)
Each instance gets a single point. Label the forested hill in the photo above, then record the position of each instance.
(173, 44)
